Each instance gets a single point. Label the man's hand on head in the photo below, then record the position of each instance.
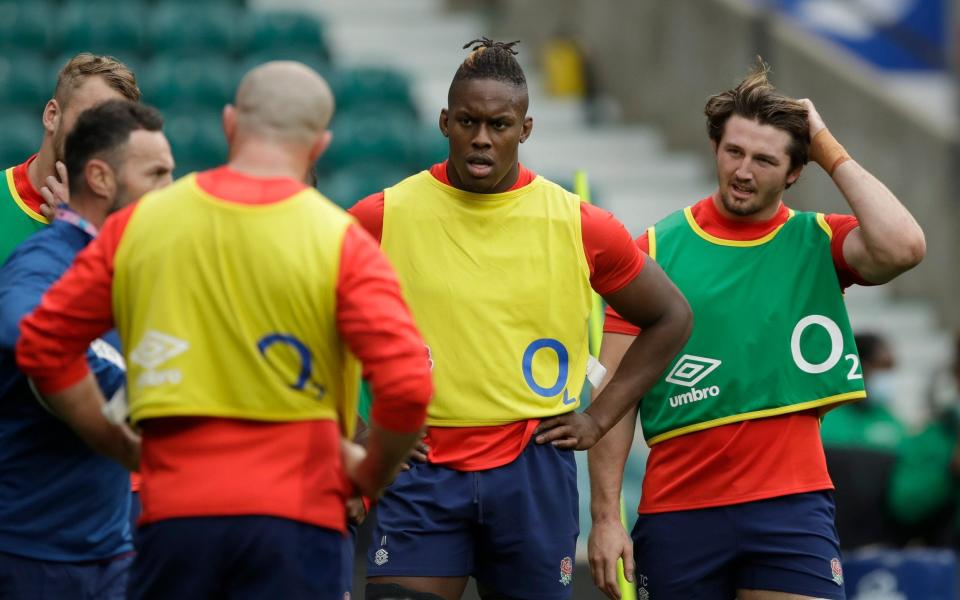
(56, 193)
(814, 120)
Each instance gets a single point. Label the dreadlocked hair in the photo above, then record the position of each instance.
(491, 60)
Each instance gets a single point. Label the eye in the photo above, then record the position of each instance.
(499, 125)
(734, 152)
(466, 121)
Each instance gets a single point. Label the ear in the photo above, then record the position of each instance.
(100, 178)
(320, 145)
(229, 121)
(715, 146)
(527, 129)
(51, 116)
(794, 175)
(444, 115)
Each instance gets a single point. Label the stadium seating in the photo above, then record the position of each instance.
(22, 133)
(23, 26)
(350, 184)
(179, 84)
(23, 81)
(196, 139)
(188, 57)
(270, 32)
(356, 89)
(194, 29)
(102, 27)
(383, 136)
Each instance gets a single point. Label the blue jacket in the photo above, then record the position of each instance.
(59, 500)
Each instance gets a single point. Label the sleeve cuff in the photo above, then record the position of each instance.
(64, 378)
(615, 324)
(405, 418)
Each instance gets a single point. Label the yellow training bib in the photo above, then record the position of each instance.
(228, 310)
(500, 289)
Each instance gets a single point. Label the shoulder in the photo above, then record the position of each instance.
(369, 214)
(45, 250)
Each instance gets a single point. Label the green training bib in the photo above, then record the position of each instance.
(17, 220)
(771, 334)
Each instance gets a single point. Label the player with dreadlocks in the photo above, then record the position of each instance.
(497, 265)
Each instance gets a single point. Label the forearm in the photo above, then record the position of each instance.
(80, 407)
(642, 365)
(889, 241)
(606, 461)
(891, 235)
(386, 450)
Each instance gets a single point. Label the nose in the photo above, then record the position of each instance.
(743, 171)
(481, 140)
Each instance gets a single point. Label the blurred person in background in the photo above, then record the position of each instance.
(860, 443)
(25, 206)
(65, 526)
(925, 486)
(868, 424)
(736, 497)
(241, 297)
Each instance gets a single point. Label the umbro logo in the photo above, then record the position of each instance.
(690, 370)
(153, 350)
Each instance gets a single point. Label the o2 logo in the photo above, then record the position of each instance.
(563, 362)
(836, 347)
(306, 359)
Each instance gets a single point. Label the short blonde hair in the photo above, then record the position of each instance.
(84, 65)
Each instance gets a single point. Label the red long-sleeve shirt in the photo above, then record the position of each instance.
(213, 466)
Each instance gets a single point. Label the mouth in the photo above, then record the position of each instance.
(741, 191)
(479, 166)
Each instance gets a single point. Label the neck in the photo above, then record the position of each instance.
(44, 165)
(765, 214)
(267, 159)
(89, 209)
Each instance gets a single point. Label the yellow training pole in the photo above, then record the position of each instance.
(581, 187)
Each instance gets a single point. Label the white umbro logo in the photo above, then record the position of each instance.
(156, 348)
(690, 369)
(153, 350)
(381, 557)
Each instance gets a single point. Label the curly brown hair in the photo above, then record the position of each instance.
(756, 99)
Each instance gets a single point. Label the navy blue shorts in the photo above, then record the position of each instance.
(346, 568)
(28, 579)
(514, 528)
(135, 509)
(786, 544)
(236, 557)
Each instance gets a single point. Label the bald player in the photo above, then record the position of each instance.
(241, 296)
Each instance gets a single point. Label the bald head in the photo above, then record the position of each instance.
(284, 100)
